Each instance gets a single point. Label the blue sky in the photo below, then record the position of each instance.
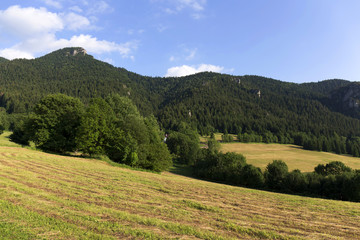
(296, 41)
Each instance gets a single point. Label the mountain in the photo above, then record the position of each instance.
(70, 71)
(209, 101)
(3, 60)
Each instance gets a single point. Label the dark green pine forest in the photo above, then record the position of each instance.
(319, 116)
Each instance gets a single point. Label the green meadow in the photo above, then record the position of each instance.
(260, 154)
(45, 196)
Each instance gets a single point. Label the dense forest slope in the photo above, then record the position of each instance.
(209, 101)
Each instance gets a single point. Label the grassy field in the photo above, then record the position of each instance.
(260, 155)
(44, 196)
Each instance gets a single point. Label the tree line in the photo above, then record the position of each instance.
(333, 143)
(333, 180)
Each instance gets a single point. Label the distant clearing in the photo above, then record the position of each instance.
(260, 154)
(45, 196)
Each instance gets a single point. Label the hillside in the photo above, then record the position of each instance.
(209, 101)
(2, 60)
(56, 197)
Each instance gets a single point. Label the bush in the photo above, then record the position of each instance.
(227, 138)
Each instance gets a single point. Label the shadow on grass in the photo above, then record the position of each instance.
(182, 169)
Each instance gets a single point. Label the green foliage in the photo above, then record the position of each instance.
(113, 127)
(55, 122)
(332, 168)
(96, 126)
(296, 181)
(227, 137)
(184, 144)
(213, 144)
(116, 128)
(252, 177)
(275, 174)
(219, 166)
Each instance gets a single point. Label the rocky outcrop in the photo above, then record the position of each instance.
(347, 98)
(76, 51)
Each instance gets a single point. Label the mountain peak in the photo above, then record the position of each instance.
(74, 51)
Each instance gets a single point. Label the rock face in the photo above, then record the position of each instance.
(76, 51)
(352, 97)
(347, 99)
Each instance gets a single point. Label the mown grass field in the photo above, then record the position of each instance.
(260, 154)
(45, 196)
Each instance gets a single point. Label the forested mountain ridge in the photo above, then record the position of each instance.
(209, 101)
(24, 82)
(325, 87)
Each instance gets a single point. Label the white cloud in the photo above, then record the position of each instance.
(176, 6)
(185, 70)
(196, 5)
(36, 30)
(74, 21)
(185, 53)
(191, 55)
(99, 7)
(92, 44)
(108, 60)
(161, 28)
(53, 3)
(48, 42)
(76, 9)
(29, 21)
(14, 53)
(197, 16)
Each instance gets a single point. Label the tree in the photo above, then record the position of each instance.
(54, 125)
(184, 144)
(115, 127)
(95, 128)
(332, 168)
(227, 137)
(252, 177)
(296, 181)
(213, 144)
(275, 174)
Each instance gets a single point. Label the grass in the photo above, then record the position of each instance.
(260, 155)
(45, 196)
(5, 141)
